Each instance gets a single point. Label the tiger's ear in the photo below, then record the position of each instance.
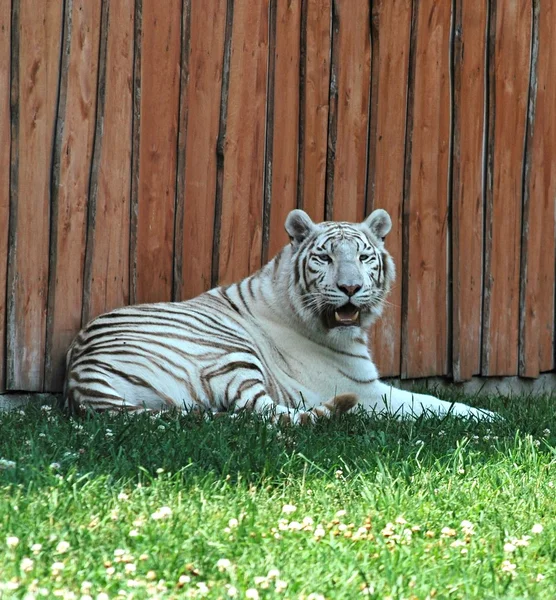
(379, 222)
(298, 226)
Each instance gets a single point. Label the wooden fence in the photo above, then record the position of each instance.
(152, 148)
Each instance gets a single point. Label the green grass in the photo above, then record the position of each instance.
(225, 483)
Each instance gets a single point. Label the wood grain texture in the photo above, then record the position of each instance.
(159, 104)
(391, 22)
(240, 247)
(286, 121)
(203, 95)
(467, 186)
(353, 89)
(5, 142)
(538, 253)
(315, 68)
(509, 84)
(425, 335)
(70, 190)
(106, 284)
(34, 97)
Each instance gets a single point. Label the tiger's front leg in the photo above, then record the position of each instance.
(400, 403)
(255, 398)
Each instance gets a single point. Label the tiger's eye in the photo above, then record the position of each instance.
(325, 258)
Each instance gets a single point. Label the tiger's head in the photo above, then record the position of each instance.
(341, 271)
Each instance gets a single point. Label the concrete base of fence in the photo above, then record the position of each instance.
(545, 384)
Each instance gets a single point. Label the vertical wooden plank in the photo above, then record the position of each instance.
(391, 22)
(424, 336)
(159, 102)
(70, 189)
(34, 95)
(538, 253)
(5, 140)
(286, 121)
(203, 93)
(243, 170)
(315, 81)
(509, 82)
(106, 284)
(349, 162)
(467, 186)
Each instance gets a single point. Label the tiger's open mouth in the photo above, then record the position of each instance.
(347, 315)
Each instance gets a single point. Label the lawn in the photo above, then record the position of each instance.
(179, 507)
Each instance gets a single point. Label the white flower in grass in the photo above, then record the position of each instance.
(233, 523)
(202, 588)
(448, 532)
(523, 541)
(133, 533)
(537, 528)
(103, 596)
(36, 548)
(280, 586)
(26, 564)
(6, 464)
(122, 496)
(314, 596)
(86, 586)
(231, 591)
(184, 579)
(85, 597)
(319, 532)
(388, 530)
(223, 564)
(539, 577)
(12, 541)
(262, 582)
(162, 513)
(130, 568)
(252, 594)
(467, 527)
(508, 567)
(509, 547)
(288, 509)
(57, 567)
(62, 547)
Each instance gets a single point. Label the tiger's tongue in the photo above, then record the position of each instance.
(346, 314)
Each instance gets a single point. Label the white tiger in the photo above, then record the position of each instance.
(290, 340)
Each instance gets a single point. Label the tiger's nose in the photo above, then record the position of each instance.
(349, 290)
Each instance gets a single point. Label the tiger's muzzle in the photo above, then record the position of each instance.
(347, 315)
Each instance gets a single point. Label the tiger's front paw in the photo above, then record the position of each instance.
(338, 405)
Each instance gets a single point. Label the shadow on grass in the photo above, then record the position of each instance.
(43, 443)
